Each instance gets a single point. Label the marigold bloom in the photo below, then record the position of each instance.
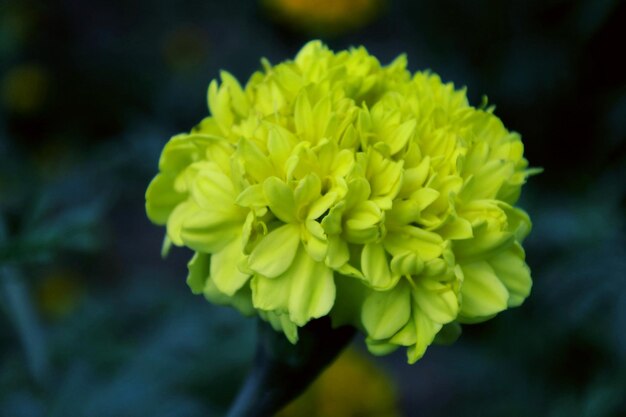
(332, 185)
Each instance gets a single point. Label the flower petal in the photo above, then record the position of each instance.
(306, 290)
(425, 330)
(224, 271)
(315, 240)
(337, 254)
(510, 267)
(162, 198)
(276, 251)
(376, 267)
(362, 223)
(312, 290)
(280, 142)
(400, 137)
(280, 199)
(176, 219)
(199, 269)
(307, 192)
(213, 190)
(483, 293)
(303, 117)
(385, 312)
(438, 302)
(208, 231)
(241, 300)
(256, 164)
(427, 245)
(219, 104)
(407, 263)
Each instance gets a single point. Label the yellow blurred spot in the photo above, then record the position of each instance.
(324, 16)
(351, 387)
(24, 88)
(59, 293)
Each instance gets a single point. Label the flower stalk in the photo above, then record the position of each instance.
(282, 371)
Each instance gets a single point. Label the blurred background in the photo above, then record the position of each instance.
(94, 323)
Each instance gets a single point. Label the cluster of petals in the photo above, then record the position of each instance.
(331, 185)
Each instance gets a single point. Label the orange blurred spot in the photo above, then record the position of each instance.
(324, 16)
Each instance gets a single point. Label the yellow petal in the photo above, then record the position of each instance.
(176, 219)
(483, 295)
(252, 197)
(362, 223)
(321, 205)
(425, 330)
(280, 143)
(199, 269)
(219, 104)
(238, 98)
(401, 136)
(378, 348)
(315, 240)
(213, 190)
(307, 191)
(303, 117)
(312, 290)
(306, 290)
(427, 245)
(256, 164)
(386, 312)
(511, 269)
(457, 228)
(276, 251)
(280, 199)
(206, 230)
(376, 267)
(407, 263)
(438, 302)
(337, 254)
(224, 271)
(161, 198)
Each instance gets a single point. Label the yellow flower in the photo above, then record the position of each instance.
(333, 185)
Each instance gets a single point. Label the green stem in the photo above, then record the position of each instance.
(282, 371)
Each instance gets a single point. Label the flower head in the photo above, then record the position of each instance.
(333, 185)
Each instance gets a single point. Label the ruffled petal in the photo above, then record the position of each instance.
(305, 291)
(483, 293)
(386, 312)
(275, 252)
(375, 267)
(224, 268)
